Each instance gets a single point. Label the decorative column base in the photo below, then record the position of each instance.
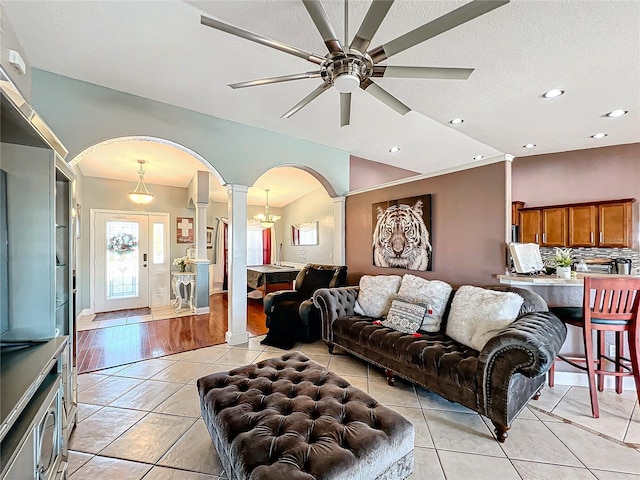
(201, 297)
(238, 339)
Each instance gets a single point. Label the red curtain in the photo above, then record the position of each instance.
(266, 246)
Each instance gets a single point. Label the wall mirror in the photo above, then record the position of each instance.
(304, 233)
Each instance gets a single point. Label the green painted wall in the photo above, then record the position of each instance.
(83, 114)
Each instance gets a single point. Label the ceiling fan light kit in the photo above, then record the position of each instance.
(348, 68)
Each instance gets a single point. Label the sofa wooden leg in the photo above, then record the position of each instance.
(330, 347)
(500, 431)
(390, 377)
(537, 395)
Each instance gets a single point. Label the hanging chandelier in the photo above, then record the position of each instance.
(141, 194)
(266, 219)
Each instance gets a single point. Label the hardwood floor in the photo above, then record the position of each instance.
(109, 347)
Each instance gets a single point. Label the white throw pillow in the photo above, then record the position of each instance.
(376, 294)
(477, 314)
(434, 293)
(405, 315)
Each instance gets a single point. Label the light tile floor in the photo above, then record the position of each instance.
(143, 420)
(86, 322)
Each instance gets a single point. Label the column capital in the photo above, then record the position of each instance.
(234, 188)
(338, 199)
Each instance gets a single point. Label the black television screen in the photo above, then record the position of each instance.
(4, 256)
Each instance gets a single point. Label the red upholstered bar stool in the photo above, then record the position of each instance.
(610, 304)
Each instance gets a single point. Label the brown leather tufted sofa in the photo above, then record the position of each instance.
(497, 382)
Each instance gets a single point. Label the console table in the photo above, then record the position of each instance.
(183, 278)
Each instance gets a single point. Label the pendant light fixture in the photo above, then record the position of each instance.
(141, 194)
(266, 219)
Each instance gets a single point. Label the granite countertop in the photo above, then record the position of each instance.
(514, 279)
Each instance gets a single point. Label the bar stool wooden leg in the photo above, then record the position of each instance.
(619, 355)
(552, 373)
(600, 363)
(588, 351)
(634, 355)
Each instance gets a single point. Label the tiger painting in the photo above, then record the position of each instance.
(401, 238)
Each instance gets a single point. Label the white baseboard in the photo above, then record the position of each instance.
(200, 310)
(580, 380)
(85, 311)
(237, 339)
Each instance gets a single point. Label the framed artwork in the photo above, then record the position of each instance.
(191, 253)
(184, 229)
(209, 237)
(402, 233)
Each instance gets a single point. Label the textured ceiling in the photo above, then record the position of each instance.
(160, 51)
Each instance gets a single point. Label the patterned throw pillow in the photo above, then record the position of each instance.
(434, 293)
(375, 295)
(405, 316)
(477, 314)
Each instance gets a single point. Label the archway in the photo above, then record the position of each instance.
(107, 170)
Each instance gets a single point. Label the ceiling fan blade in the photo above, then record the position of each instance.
(392, 71)
(435, 27)
(384, 96)
(283, 78)
(319, 17)
(376, 13)
(306, 100)
(254, 37)
(345, 109)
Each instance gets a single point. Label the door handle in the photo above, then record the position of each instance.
(544, 238)
(536, 238)
(592, 237)
(144, 265)
(601, 237)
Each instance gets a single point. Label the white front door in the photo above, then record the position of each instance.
(121, 269)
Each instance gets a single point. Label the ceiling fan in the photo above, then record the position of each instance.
(350, 67)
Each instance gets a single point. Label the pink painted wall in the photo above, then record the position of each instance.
(606, 173)
(467, 227)
(365, 173)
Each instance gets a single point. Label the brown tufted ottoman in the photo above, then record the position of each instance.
(289, 418)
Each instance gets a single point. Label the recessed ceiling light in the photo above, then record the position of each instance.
(599, 135)
(478, 157)
(554, 92)
(394, 149)
(617, 113)
(456, 121)
(529, 145)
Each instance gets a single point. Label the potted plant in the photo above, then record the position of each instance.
(562, 259)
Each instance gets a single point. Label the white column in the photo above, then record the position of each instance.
(339, 227)
(201, 231)
(237, 301)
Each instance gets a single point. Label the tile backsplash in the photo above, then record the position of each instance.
(586, 253)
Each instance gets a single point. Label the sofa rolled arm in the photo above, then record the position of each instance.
(533, 341)
(527, 347)
(271, 299)
(334, 303)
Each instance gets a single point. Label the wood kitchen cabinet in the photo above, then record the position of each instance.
(614, 221)
(607, 224)
(554, 227)
(530, 226)
(515, 212)
(583, 225)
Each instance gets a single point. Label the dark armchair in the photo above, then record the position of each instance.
(291, 315)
